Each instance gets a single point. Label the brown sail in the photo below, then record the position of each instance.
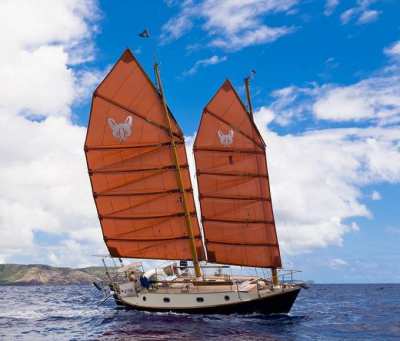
(132, 169)
(232, 177)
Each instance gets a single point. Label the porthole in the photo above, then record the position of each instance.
(227, 298)
(200, 299)
(144, 298)
(166, 299)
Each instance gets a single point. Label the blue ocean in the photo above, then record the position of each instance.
(323, 312)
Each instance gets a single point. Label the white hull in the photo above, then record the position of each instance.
(209, 298)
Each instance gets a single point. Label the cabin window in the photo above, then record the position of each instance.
(144, 298)
(166, 299)
(200, 299)
(227, 298)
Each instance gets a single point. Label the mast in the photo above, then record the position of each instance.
(274, 271)
(247, 86)
(179, 177)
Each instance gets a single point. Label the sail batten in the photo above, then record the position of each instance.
(132, 169)
(233, 183)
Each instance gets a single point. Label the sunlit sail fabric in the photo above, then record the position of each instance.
(132, 170)
(232, 177)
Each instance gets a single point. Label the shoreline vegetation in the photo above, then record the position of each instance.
(38, 274)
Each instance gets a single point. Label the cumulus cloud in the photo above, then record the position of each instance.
(393, 50)
(330, 6)
(318, 175)
(232, 25)
(361, 13)
(44, 185)
(204, 63)
(375, 98)
(317, 179)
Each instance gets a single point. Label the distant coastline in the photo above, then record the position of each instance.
(38, 274)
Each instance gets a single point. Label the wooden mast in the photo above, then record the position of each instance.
(247, 85)
(274, 271)
(179, 177)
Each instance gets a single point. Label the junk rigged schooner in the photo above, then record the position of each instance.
(139, 173)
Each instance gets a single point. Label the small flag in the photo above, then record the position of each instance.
(144, 34)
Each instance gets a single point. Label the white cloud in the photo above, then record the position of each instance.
(376, 195)
(368, 16)
(337, 263)
(317, 179)
(232, 25)
(204, 63)
(375, 98)
(330, 6)
(318, 175)
(361, 13)
(393, 50)
(44, 183)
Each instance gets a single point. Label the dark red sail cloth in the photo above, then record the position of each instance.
(132, 170)
(233, 183)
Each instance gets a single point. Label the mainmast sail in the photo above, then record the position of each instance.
(233, 183)
(133, 171)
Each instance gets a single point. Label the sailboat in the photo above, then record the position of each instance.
(141, 183)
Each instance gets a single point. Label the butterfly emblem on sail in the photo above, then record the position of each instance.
(225, 139)
(121, 131)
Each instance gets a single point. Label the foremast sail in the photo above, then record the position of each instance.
(232, 176)
(134, 150)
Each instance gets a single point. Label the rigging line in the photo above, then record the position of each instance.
(141, 203)
(240, 161)
(127, 194)
(223, 197)
(160, 222)
(111, 217)
(121, 106)
(129, 146)
(238, 221)
(242, 243)
(222, 213)
(228, 150)
(139, 253)
(112, 171)
(139, 155)
(251, 175)
(234, 182)
(133, 157)
(234, 127)
(132, 182)
(148, 240)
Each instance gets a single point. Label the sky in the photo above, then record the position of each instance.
(327, 101)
